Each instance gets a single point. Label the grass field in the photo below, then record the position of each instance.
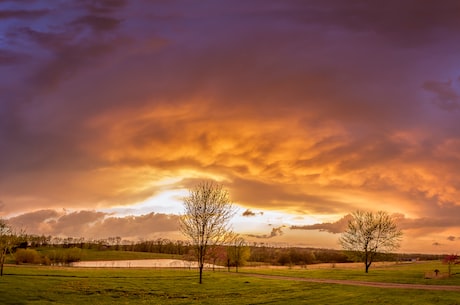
(60, 285)
(407, 273)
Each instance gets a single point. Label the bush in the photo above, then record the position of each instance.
(46, 261)
(72, 255)
(27, 256)
(65, 256)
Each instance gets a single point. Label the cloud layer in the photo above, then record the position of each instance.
(308, 108)
(93, 224)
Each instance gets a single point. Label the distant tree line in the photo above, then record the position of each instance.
(234, 252)
(160, 245)
(289, 256)
(255, 253)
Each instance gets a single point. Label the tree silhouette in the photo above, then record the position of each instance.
(368, 234)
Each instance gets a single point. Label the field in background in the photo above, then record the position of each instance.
(98, 255)
(27, 284)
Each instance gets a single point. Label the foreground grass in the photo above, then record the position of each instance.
(53, 285)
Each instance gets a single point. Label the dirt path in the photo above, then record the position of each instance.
(358, 283)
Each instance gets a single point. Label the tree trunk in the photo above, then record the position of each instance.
(2, 262)
(367, 261)
(201, 273)
(201, 263)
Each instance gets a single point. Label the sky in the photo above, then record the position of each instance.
(305, 111)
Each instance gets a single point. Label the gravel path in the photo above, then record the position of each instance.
(358, 283)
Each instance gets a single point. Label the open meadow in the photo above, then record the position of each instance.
(27, 284)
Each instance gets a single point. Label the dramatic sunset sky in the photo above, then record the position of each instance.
(110, 110)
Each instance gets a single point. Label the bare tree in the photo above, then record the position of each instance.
(7, 241)
(238, 252)
(205, 221)
(368, 234)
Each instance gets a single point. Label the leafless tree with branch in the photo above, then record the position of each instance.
(205, 221)
(368, 234)
(8, 239)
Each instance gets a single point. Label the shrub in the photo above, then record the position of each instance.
(65, 256)
(46, 261)
(56, 257)
(72, 255)
(27, 256)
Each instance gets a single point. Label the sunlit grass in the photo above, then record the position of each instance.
(409, 273)
(61, 285)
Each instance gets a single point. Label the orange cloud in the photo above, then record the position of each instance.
(297, 109)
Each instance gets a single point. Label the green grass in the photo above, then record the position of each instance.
(58, 285)
(407, 273)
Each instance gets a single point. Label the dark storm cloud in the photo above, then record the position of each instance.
(33, 219)
(331, 227)
(104, 6)
(9, 58)
(138, 226)
(22, 14)
(69, 60)
(437, 223)
(70, 55)
(94, 224)
(72, 222)
(301, 106)
(426, 224)
(278, 231)
(60, 51)
(61, 43)
(447, 97)
(98, 23)
(409, 23)
(250, 213)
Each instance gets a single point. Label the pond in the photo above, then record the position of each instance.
(142, 263)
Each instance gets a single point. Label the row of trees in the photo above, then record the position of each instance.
(160, 245)
(255, 253)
